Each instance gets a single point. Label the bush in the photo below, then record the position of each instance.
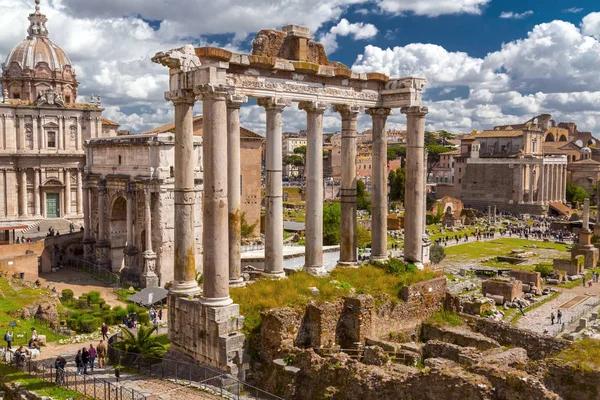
(95, 307)
(131, 308)
(143, 318)
(67, 294)
(73, 324)
(544, 269)
(82, 304)
(94, 297)
(437, 253)
(119, 312)
(109, 319)
(89, 324)
(74, 314)
(105, 307)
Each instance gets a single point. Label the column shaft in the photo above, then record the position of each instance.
(273, 192)
(313, 260)
(148, 219)
(521, 183)
(234, 195)
(540, 185)
(130, 199)
(36, 192)
(67, 191)
(79, 192)
(415, 195)
(34, 131)
(531, 175)
(101, 210)
(215, 231)
(24, 212)
(563, 187)
(184, 281)
(348, 245)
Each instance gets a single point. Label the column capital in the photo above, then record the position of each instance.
(416, 111)
(212, 91)
(347, 110)
(130, 188)
(102, 189)
(318, 107)
(380, 112)
(274, 103)
(236, 100)
(181, 96)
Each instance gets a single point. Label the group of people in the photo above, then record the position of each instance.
(23, 239)
(86, 358)
(155, 316)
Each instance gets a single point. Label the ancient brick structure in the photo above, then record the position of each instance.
(527, 277)
(509, 289)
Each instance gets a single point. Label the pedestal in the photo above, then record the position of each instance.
(149, 277)
(88, 249)
(210, 335)
(103, 254)
(426, 250)
(131, 273)
(587, 249)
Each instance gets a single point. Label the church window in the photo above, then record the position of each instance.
(51, 139)
(16, 96)
(67, 99)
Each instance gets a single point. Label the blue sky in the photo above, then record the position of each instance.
(488, 62)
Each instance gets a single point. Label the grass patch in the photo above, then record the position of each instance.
(585, 354)
(123, 294)
(444, 318)
(41, 387)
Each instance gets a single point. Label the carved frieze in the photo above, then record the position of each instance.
(73, 132)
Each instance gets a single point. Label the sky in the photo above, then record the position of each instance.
(487, 62)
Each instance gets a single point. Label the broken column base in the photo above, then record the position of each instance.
(348, 264)
(316, 271)
(149, 278)
(210, 335)
(590, 253)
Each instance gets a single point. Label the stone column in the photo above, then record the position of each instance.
(554, 184)
(586, 215)
(23, 188)
(67, 176)
(148, 277)
(563, 186)
(184, 281)
(414, 196)
(379, 184)
(79, 192)
(348, 245)
(234, 196)
(79, 144)
(59, 135)
(521, 183)
(531, 170)
(34, 131)
(36, 192)
(88, 240)
(273, 192)
(103, 244)
(215, 223)
(313, 260)
(540, 184)
(21, 121)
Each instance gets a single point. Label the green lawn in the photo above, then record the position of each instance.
(497, 247)
(41, 387)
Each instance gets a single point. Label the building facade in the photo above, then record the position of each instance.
(289, 143)
(42, 130)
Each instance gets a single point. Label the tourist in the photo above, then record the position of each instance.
(8, 339)
(521, 308)
(104, 330)
(92, 353)
(590, 283)
(33, 344)
(17, 241)
(160, 314)
(559, 317)
(59, 364)
(78, 362)
(152, 314)
(85, 359)
(101, 352)
(20, 356)
(552, 317)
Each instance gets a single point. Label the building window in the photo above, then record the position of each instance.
(16, 96)
(459, 171)
(67, 99)
(51, 139)
(120, 160)
(459, 180)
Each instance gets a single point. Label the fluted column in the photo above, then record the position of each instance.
(234, 196)
(540, 185)
(102, 244)
(563, 186)
(531, 173)
(34, 131)
(184, 281)
(415, 194)
(129, 194)
(379, 184)
(23, 188)
(348, 245)
(59, 135)
(67, 191)
(148, 277)
(553, 184)
(21, 120)
(215, 231)
(313, 259)
(79, 144)
(273, 191)
(36, 192)
(79, 192)
(520, 182)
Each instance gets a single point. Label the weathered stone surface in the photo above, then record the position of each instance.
(375, 355)
(510, 357)
(458, 354)
(458, 336)
(571, 382)
(509, 289)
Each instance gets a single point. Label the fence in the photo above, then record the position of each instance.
(588, 308)
(193, 375)
(97, 272)
(93, 387)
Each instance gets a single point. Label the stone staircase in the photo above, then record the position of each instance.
(39, 228)
(561, 208)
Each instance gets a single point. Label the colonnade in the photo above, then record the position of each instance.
(221, 257)
(547, 180)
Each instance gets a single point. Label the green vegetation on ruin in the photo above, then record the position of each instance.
(42, 388)
(584, 354)
(445, 318)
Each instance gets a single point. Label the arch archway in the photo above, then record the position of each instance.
(562, 138)
(549, 137)
(118, 232)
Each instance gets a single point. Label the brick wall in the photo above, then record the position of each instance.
(527, 277)
(509, 289)
(23, 257)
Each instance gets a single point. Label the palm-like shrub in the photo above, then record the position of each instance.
(141, 343)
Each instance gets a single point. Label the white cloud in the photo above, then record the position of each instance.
(514, 15)
(433, 8)
(358, 30)
(590, 25)
(572, 10)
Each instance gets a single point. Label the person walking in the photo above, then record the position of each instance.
(559, 317)
(101, 352)
(8, 339)
(104, 331)
(552, 317)
(85, 359)
(160, 314)
(78, 362)
(92, 353)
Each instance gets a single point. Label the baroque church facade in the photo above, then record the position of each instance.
(42, 131)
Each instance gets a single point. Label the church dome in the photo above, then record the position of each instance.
(586, 150)
(36, 65)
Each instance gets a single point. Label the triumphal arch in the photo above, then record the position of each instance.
(284, 67)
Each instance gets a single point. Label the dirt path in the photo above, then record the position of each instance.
(79, 282)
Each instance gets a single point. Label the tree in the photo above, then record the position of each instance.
(396, 180)
(142, 343)
(331, 224)
(434, 152)
(362, 203)
(576, 193)
(294, 159)
(393, 152)
(363, 237)
(247, 230)
(437, 253)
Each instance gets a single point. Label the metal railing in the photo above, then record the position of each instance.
(586, 309)
(89, 386)
(186, 374)
(97, 272)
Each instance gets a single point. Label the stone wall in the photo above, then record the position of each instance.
(570, 266)
(70, 245)
(572, 383)
(537, 346)
(509, 289)
(527, 276)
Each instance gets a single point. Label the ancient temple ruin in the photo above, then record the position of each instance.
(284, 67)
